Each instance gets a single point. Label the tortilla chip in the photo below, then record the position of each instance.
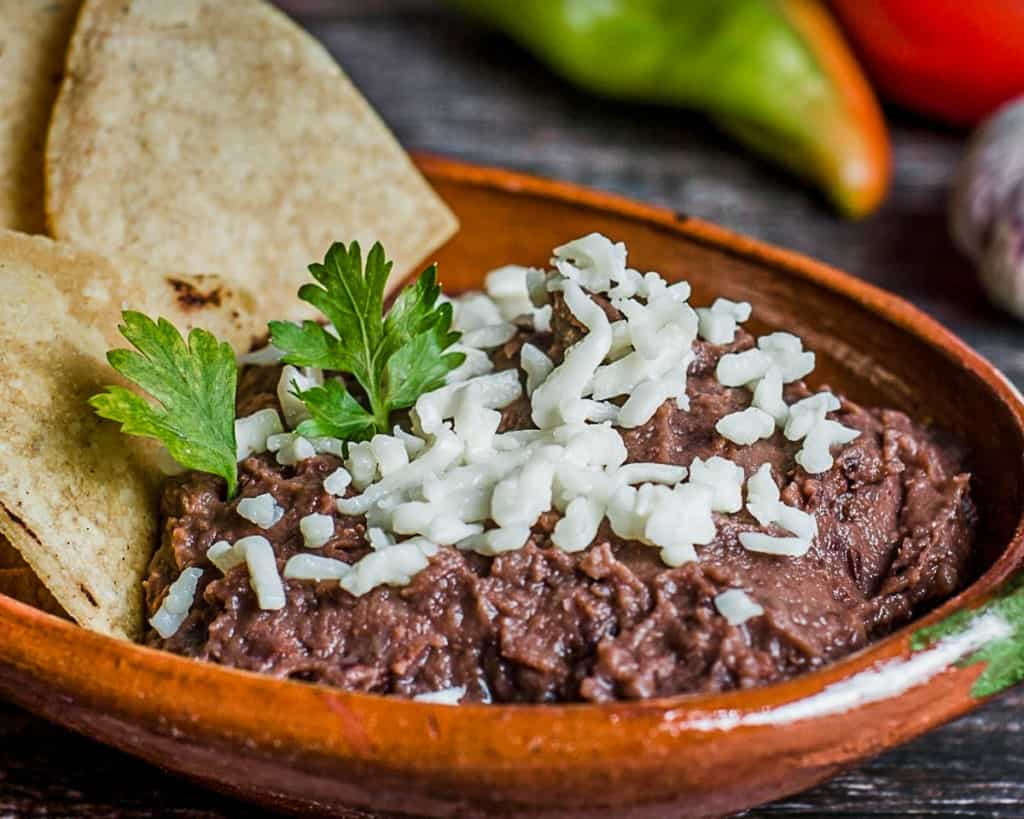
(23, 585)
(33, 38)
(78, 499)
(203, 135)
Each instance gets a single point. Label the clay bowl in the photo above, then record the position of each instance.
(304, 747)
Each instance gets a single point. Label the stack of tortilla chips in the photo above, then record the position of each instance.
(185, 159)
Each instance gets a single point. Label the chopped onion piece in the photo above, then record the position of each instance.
(263, 357)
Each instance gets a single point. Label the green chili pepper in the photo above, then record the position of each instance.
(776, 74)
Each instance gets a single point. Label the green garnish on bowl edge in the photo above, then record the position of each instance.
(1005, 657)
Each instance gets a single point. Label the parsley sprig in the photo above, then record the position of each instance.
(394, 358)
(194, 385)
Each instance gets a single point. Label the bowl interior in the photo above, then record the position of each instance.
(314, 748)
(873, 361)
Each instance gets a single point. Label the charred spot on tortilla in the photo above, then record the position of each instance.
(190, 297)
(17, 521)
(88, 595)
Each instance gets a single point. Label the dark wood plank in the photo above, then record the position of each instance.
(445, 85)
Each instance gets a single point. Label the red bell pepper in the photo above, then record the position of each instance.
(954, 59)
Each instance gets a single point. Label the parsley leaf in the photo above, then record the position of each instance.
(335, 412)
(394, 358)
(195, 388)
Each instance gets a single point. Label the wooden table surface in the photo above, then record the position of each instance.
(447, 86)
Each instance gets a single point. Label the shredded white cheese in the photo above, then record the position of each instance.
(252, 432)
(337, 482)
(808, 421)
(263, 576)
(261, 510)
(316, 530)
(718, 323)
(765, 505)
(293, 380)
(723, 478)
(176, 603)
(315, 567)
(445, 696)
(746, 426)
(455, 479)
(536, 365)
(768, 396)
(569, 380)
(290, 448)
(736, 606)
(393, 566)
(224, 556)
(263, 357)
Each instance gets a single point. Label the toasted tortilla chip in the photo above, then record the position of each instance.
(23, 585)
(33, 37)
(204, 135)
(78, 499)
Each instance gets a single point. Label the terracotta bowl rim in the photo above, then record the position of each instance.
(884, 305)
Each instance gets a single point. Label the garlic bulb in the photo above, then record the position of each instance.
(987, 208)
